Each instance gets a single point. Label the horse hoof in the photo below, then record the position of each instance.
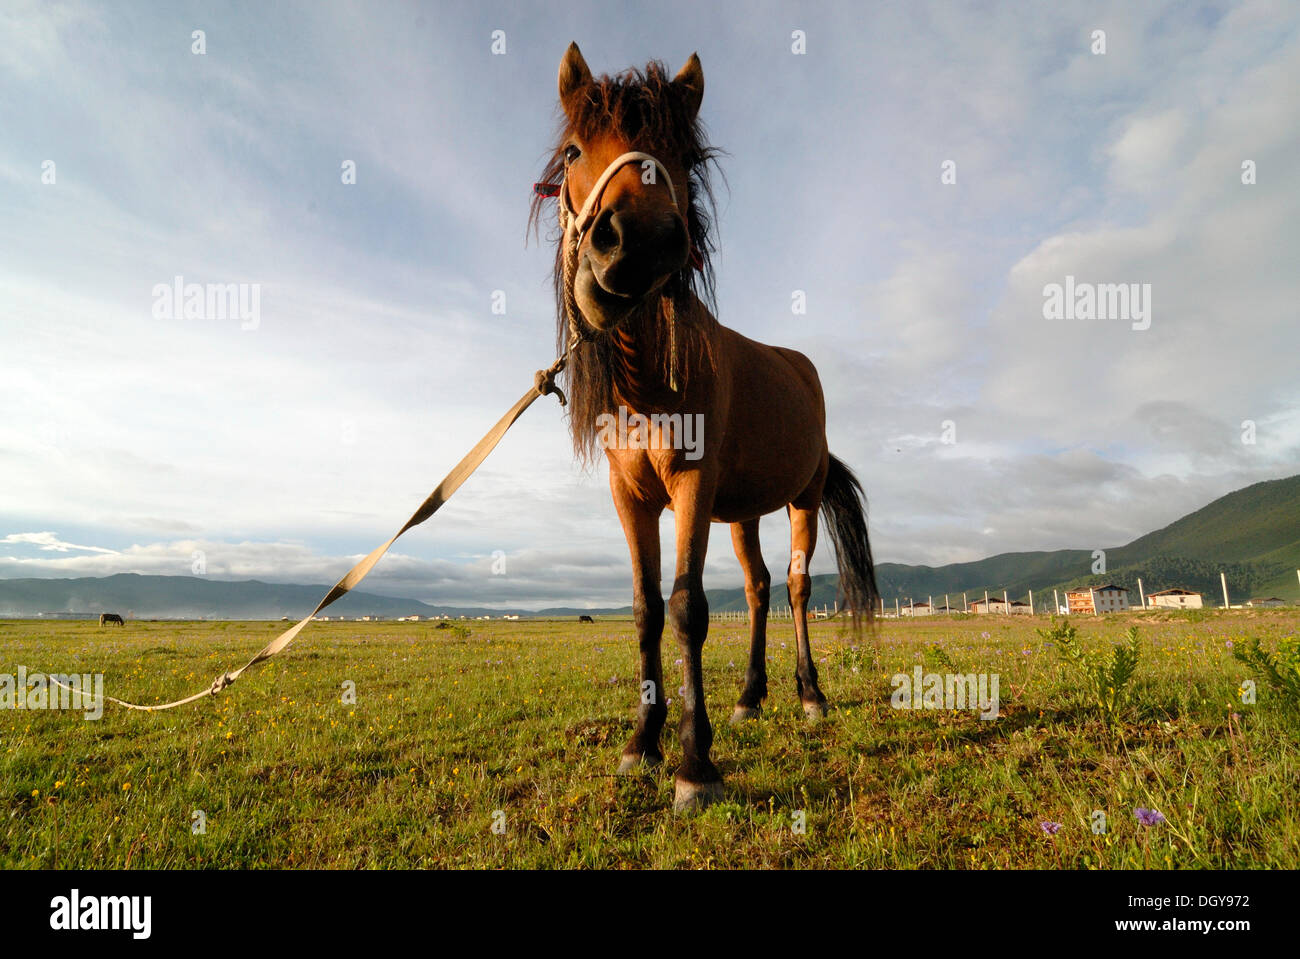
(632, 763)
(742, 713)
(693, 797)
(814, 711)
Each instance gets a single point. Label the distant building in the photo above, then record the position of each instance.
(1079, 601)
(1023, 608)
(1097, 599)
(994, 605)
(1268, 601)
(1175, 599)
(916, 609)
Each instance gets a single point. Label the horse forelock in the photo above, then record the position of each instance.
(650, 114)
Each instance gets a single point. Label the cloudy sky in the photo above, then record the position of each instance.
(134, 442)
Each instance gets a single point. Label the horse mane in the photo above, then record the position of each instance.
(646, 109)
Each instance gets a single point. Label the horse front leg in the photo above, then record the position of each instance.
(698, 782)
(641, 527)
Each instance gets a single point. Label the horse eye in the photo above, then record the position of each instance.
(571, 153)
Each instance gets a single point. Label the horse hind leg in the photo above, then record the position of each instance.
(803, 539)
(758, 584)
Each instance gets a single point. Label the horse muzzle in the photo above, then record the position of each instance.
(627, 260)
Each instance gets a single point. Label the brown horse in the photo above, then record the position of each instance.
(632, 279)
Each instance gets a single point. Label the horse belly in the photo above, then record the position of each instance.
(776, 438)
(743, 495)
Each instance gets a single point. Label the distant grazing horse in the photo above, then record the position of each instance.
(111, 618)
(630, 171)
(585, 619)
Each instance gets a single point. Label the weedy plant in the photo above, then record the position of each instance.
(856, 658)
(938, 659)
(1108, 675)
(1281, 670)
(456, 630)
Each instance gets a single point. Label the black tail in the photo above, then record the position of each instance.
(844, 515)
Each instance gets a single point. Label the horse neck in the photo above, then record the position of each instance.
(640, 361)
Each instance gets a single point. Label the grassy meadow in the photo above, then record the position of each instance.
(519, 726)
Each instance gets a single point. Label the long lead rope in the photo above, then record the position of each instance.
(543, 385)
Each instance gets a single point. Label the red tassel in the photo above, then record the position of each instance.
(546, 189)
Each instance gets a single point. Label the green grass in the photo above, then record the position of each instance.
(529, 718)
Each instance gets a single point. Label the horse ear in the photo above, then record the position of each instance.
(574, 74)
(690, 80)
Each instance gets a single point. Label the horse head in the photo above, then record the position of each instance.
(627, 153)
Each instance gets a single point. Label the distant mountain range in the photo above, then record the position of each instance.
(194, 597)
(1253, 535)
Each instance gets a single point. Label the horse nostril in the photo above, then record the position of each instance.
(605, 235)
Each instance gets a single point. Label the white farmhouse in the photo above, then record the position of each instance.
(1175, 598)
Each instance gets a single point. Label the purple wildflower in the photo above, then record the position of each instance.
(1049, 827)
(1148, 817)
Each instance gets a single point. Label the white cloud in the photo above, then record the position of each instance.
(50, 542)
(1144, 153)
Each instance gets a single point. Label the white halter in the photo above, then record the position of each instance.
(578, 222)
(575, 227)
